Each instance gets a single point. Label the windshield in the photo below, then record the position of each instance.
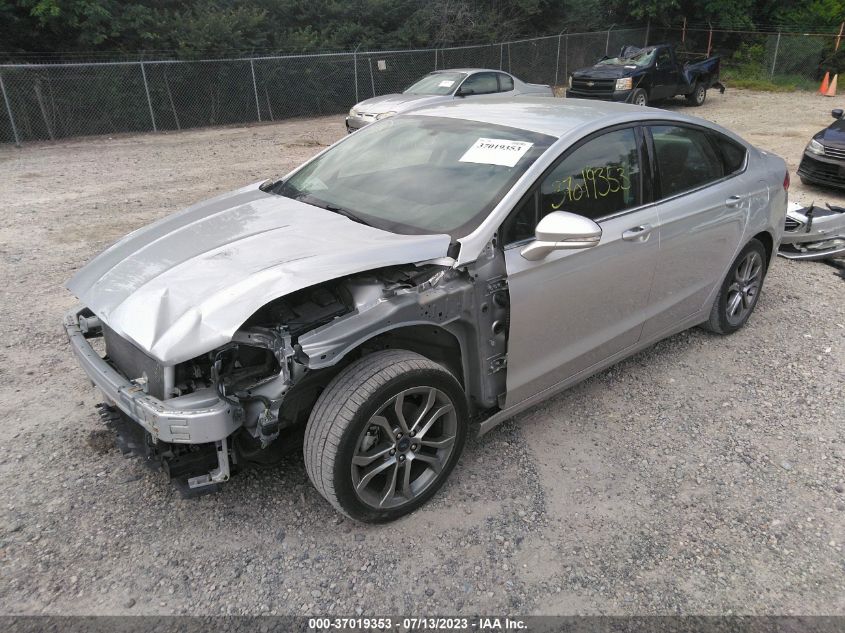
(436, 84)
(640, 60)
(418, 174)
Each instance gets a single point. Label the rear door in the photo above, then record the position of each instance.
(575, 308)
(506, 86)
(703, 201)
(479, 84)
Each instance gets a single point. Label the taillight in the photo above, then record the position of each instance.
(786, 181)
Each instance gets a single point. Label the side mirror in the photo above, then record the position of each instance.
(837, 113)
(560, 230)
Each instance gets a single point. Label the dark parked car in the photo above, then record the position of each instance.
(643, 75)
(823, 162)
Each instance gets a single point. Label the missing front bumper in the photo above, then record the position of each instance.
(197, 418)
(200, 418)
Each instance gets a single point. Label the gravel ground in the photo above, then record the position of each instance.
(703, 476)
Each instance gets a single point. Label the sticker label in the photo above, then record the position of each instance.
(496, 151)
(446, 83)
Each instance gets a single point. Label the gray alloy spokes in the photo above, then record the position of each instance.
(373, 472)
(393, 462)
(398, 408)
(430, 400)
(742, 293)
(433, 418)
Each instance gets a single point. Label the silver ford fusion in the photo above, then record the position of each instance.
(432, 275)
(442, 86)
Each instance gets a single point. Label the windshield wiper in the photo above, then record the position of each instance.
(328, 206)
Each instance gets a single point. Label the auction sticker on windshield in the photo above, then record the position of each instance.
(446, 83)
(496, 151)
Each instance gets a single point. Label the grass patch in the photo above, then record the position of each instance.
(761, 85)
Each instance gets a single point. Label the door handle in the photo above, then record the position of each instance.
(733, 201)
(638, 233)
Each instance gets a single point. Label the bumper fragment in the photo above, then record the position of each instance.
(603, 95)
(197, 418)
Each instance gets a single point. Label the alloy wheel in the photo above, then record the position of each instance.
(404, 447)
(744, 288)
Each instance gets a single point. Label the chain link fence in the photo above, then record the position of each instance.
(53, 101)
(783, 58)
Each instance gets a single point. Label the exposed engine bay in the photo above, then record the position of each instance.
(278, 362)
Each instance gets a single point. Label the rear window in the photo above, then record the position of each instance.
(686, 158)
(732, 153)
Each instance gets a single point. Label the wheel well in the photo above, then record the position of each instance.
(768, 243)
(431, 341)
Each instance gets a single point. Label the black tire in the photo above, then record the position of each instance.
(721, 321)
(698, 95)
(343, 419)
(639, 97)
(806, 182)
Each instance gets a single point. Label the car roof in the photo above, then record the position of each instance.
(549, 115)
(467, 70)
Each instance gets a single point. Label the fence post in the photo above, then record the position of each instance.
(557, 58)
(775, 59)
(709, 39)
(435, 59)
(255, 89)
(509, 57)
(647, 29)
(607, 43)
(566, 58)
(355, 61)
(501, 56)
(170, 98)
(9, 110)
(149, 101)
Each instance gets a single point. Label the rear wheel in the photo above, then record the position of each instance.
(385, 434)
(740, 290)
(639, 97)
(697, 96)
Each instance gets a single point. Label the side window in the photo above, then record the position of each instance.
(685, 157)
(480, 84)
(505, 82)
(599, 178)
(733, 153)
(664, 60)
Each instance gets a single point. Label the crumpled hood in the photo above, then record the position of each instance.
(399, 102)
(182, 286)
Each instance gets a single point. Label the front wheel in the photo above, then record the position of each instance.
(740, 290)
(639, 97)
(697, 96)
(385, 434)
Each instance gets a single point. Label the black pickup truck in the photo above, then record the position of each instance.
(643, 75)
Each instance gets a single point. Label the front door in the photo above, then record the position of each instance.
(664, 76)
(575, 308)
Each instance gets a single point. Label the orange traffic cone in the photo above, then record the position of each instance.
(825, 84)
(831, 91)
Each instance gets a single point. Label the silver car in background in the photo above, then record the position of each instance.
(431, 275)
(442, 86)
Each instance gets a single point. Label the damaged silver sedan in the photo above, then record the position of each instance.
(431, 275)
